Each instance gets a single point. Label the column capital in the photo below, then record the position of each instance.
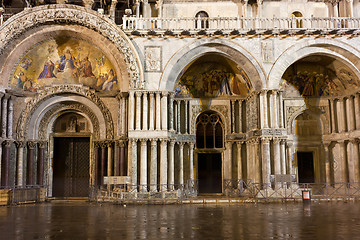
(171, 95)
(164, 94)
(42, 144)
(172, 142)
(143, 141)
(138, 94)
(120, 143)
(266, 140)
(7, 143)
(20, 144)
(31, 144)
(276, 140)
(153, 142)
(181, 144)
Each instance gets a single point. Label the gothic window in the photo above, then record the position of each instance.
(209, 131)
(201, 20)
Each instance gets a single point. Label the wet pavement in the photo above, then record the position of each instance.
(82, 220)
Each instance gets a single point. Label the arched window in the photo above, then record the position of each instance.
(297, 22)
(201, 20)
(209, 131)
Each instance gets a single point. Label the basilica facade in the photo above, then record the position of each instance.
(172, 95)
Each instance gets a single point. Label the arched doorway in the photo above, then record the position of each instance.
(201, 21)
(71, 159)
(209, 144)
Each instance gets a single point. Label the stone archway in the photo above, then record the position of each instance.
(35, 18)
(179, 62)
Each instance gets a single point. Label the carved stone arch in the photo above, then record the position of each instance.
(58, 90)
(332, 48)
(61, 107)
(226, 48)
(292, 112)
(71, 14)
(222, 110)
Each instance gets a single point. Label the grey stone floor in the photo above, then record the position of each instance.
(82, 220)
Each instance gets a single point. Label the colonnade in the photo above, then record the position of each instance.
(271, 109)
(158, 172)
(148, 111)
(6, 117)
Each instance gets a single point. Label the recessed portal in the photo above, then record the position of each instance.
(209, 165)
(71, 167)
(306, 167)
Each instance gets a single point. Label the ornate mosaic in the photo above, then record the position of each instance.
(64, 60)
(211, 80)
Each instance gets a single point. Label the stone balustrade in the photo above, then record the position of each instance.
(224, 24)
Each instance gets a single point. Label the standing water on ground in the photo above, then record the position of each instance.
(81, 220)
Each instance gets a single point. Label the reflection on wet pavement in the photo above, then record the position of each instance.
(246, 221)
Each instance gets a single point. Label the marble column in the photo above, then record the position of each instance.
(5, 166)
(30, 163)
(275, 110)
(158, 114)
(153, 166)
(171, 111)
(122, 162)
(289, 149)
(4, 115)
(152, 108)
(245, 8)
(171, 165)
(181, 163)
(240, 116)
(40, 163)
(350, 113)
(277, 164)
(271, 111)
(353, 160)
(263, 109)
(102, 161)
(266, 165)
(163, 165)
(249, 165)
(228, 161)
(327, 163)
(350, 9)
(341, 115)
(257, 161)
(143, 165)
(123, 116)
(191, 159)
(186, 118)
(145, 112)
(356, 163)
(20, 163)
(96, 158)
(117, 158)
(138, 110)
(109, 158)
(281, 110)
(133, 163)
(335, 10)
(10, 117)
(283, 156)
(232, 116)
(178, 117)
(340, 173)
(333, 115)
(131, 110)
(113, 9)
(357, 111)
(239, 160)
(164, 111)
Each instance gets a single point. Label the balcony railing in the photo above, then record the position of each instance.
(228, 24)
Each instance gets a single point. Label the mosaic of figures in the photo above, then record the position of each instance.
(64, 60)
(211, 80)
(326, 83)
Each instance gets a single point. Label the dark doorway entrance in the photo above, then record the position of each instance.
(71, 167)
(209, 167)
(306, 167)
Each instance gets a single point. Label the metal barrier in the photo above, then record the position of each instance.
(145, 192)
(17, 195)
(291, 190)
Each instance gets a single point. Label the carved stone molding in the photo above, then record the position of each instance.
(47, 93)
(31, 144)
(20, 144)
(61, 107)
(71, 14)
(291, 113)
(7, 143)
(42, 144)
(225, 112)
